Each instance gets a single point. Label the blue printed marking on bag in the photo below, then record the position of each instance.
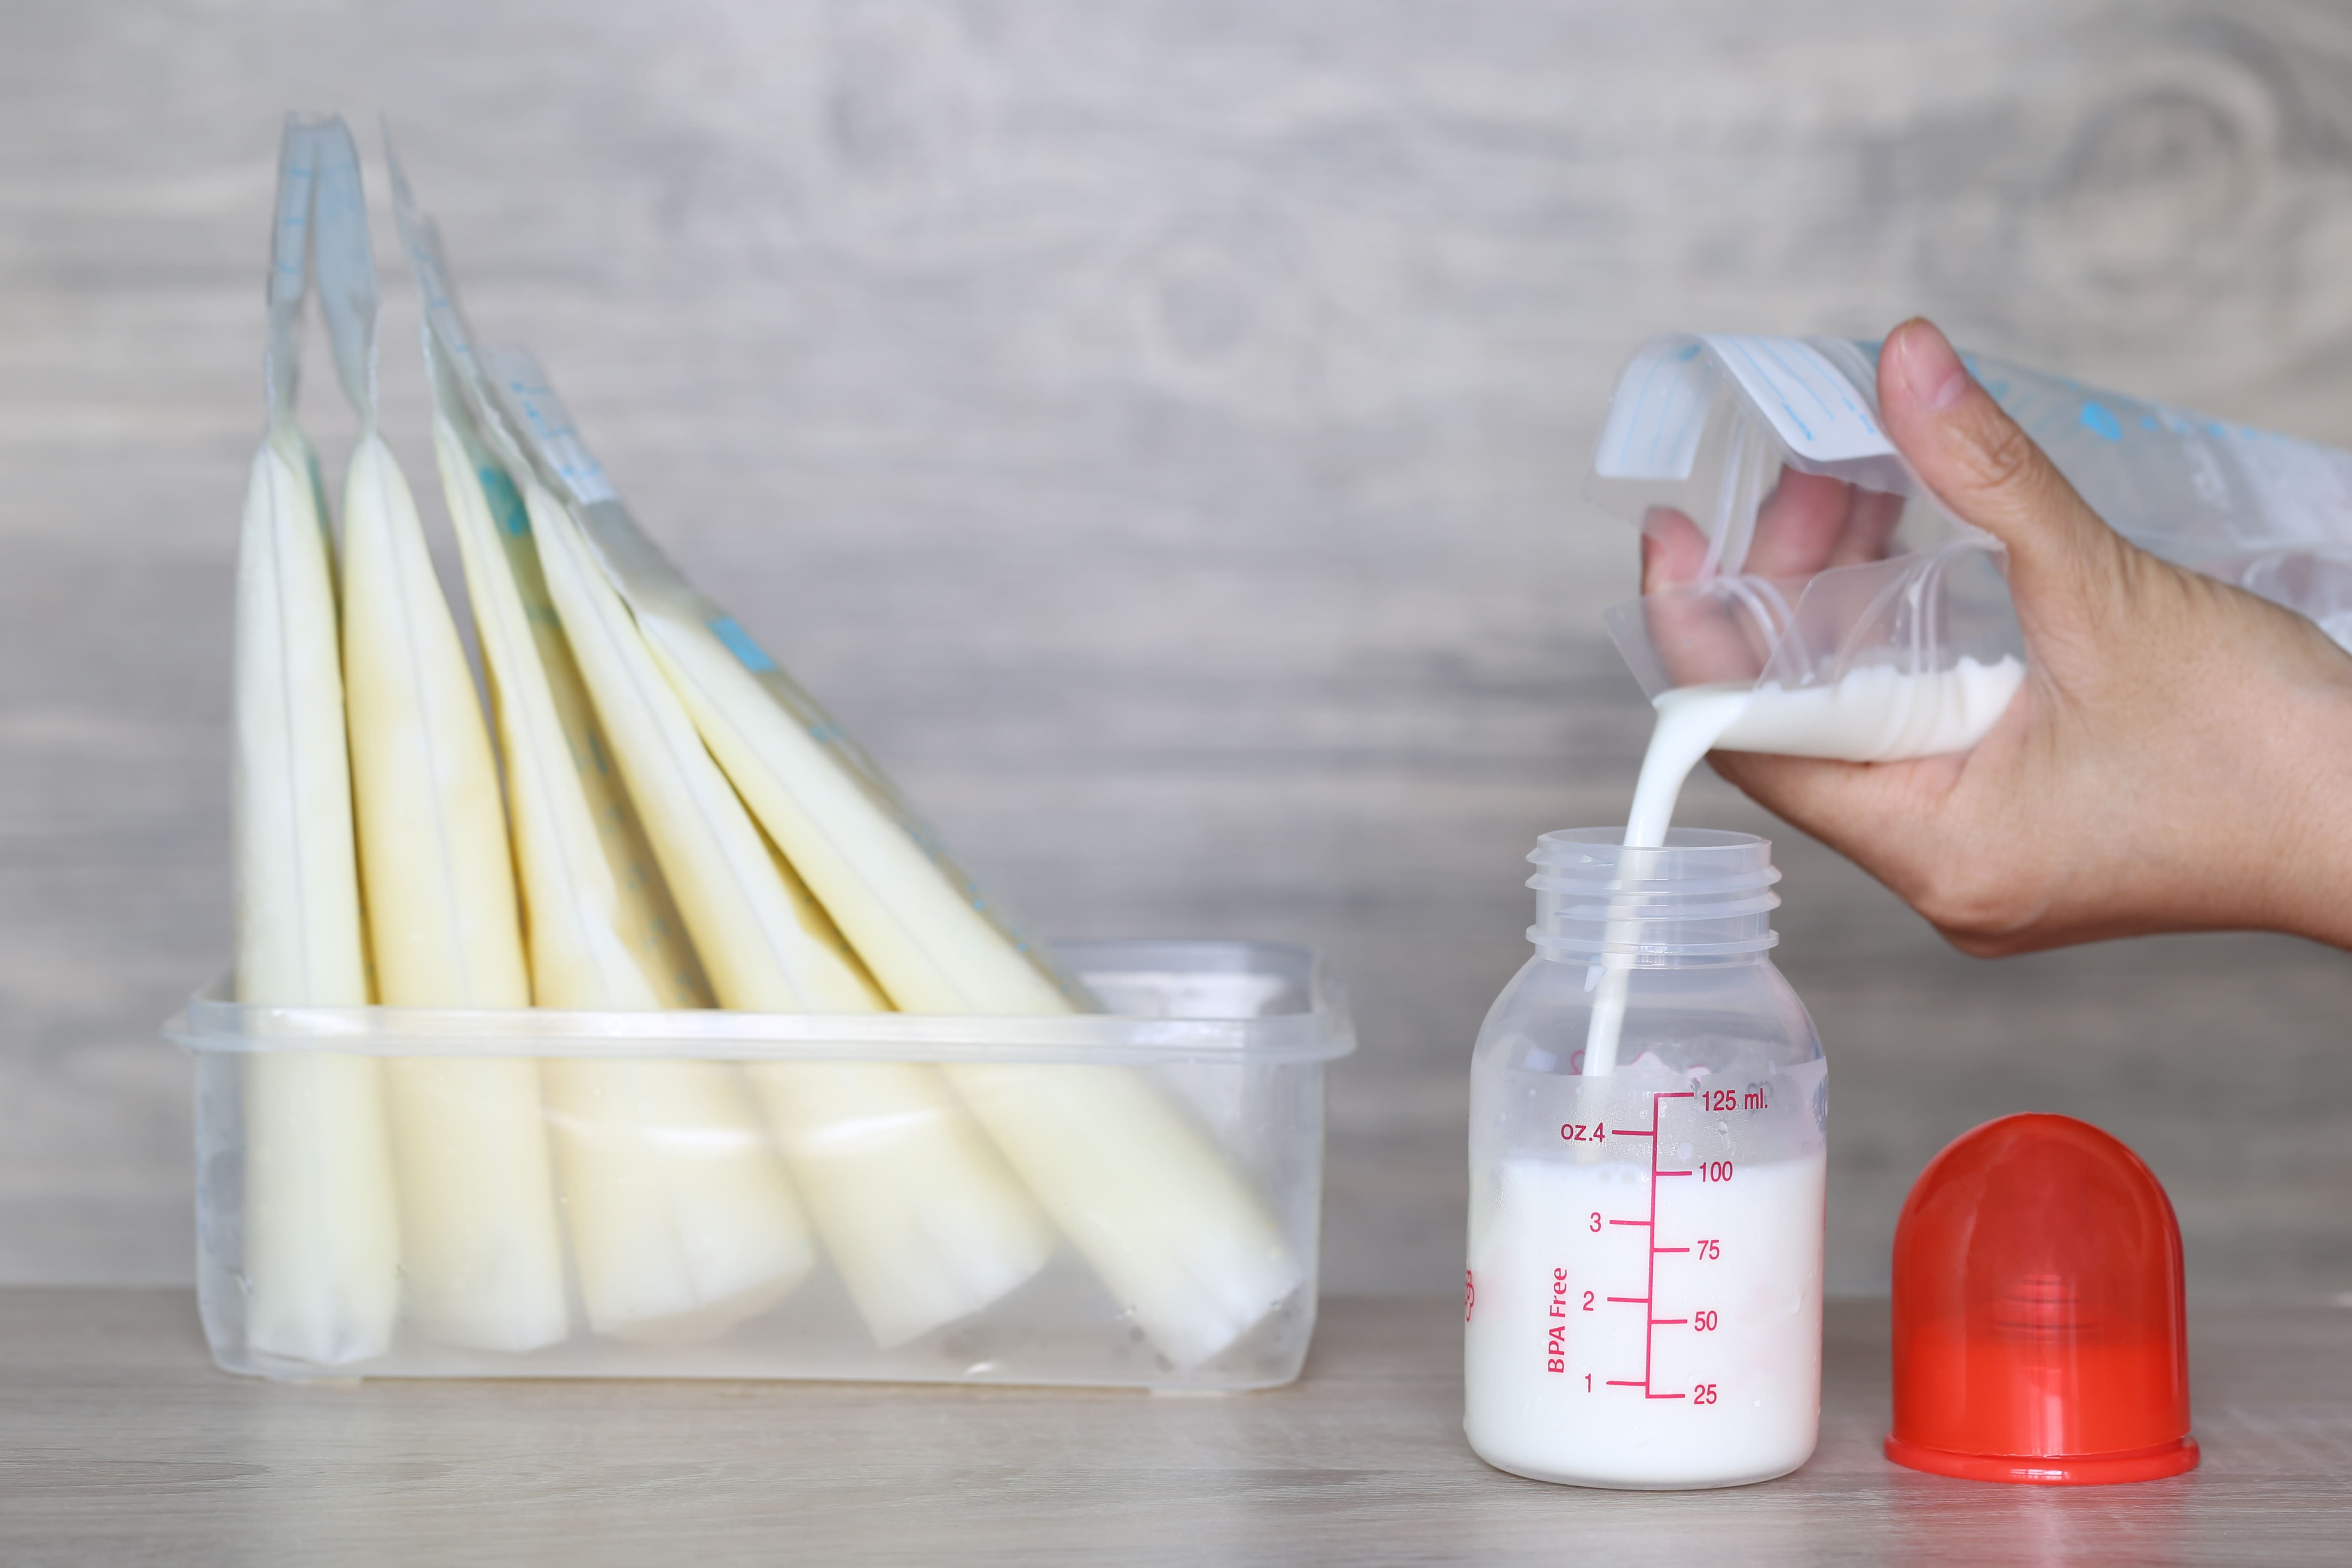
(1810, 405)
(506, 501)
(749, 654)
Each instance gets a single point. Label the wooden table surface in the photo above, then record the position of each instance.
(121, 1443)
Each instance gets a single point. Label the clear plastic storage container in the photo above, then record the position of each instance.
(1230, 1036)
(1645, 1224)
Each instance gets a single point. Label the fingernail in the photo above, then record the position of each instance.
(1932, 372)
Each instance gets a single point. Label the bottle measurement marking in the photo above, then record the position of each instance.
(1650, 1321)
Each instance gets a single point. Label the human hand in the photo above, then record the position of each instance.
(2180, 757)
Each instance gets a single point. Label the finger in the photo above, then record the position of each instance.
(1673, 551)
(1695, 633)
(1798, 526)
(1983, 467)
(1868, 528)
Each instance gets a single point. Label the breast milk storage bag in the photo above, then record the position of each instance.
(1839, 611)
(1644, 1284)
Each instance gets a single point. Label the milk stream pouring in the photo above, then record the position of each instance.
(1871, 714)
(1644, 1283)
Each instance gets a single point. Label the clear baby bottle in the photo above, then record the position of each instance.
(1648, 1108)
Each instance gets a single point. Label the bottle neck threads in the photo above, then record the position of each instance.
(1706, 895)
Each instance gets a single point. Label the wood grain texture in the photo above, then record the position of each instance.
(1156, 429)
(120, 1442)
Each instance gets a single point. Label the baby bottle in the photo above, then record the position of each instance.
(1648, 1107)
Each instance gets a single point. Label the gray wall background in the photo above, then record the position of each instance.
(1157, 430)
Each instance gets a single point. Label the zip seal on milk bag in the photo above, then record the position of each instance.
(1918, 651)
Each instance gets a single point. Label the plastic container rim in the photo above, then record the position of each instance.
(212, 1023)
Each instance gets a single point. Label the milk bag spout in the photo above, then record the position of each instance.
(1893, 635)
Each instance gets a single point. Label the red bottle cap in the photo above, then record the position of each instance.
(2040, 1334)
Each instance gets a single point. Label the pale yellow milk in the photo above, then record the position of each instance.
(921, 1217)
(682, 1220)
(322, 1232)
(1174, 1230)
(481, 1254)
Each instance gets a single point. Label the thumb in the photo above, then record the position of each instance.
(1985, 468)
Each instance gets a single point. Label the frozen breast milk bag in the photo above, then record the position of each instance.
(481, 1258)
(321, 1238)
(923, 1220)
(682, 1220)
(1172, 1228)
